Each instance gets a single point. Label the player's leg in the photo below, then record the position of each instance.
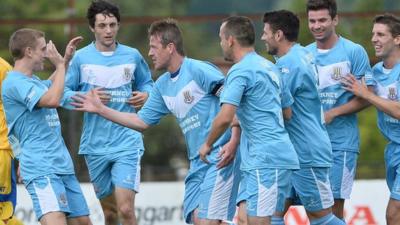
(342, 175)
(392, 160)
(241, 200)
(314, 190)
(49, 199)
(78, 209)
(279, 216)
(242, 215)
(218, 191)
(125, 202)
(109, 206)
(126, 179)
(53, 218)
(197, 170)
(267, 192)
(7, 186)
(392, 212)
(99, 167)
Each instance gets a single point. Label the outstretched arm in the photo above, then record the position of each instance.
(389, 107)
(91, 102)
(355, 105)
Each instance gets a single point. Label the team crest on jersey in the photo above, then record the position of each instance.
(127, 73)
(336, 73)
(392, 93)
(187, 97)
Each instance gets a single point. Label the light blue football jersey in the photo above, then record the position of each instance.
(190, 97)
(387, 86)
(254, 86)
(344, 58)
(119, 73)
(38, 130)
(306, 127)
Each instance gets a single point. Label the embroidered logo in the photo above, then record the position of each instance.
(187, 98)
(63, 199)
(392, 93)
(336, 73)
(127, 73)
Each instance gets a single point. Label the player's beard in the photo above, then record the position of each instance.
(272, 51)
(228, 55)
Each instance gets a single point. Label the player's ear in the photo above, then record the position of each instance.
(335, 20)
(230, 40)
(397, 41)
(279, 35)
(171, 47)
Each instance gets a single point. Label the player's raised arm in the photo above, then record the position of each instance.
(91, 102)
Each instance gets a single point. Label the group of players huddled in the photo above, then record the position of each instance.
(264, 137)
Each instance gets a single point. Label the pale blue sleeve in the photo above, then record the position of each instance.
(290, 84)
(71, 83)
(360, 66)
(286, 94)
(209, 77)
(154, 108)
(143, 81)
(234, 89)
(28, 93)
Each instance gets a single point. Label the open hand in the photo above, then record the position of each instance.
(89, 102)
(71, 48)
(226, 154)
(138, 99)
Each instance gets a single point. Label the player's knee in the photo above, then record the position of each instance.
(242, 220)
(392, 213)
(110, 217)
(126, 210)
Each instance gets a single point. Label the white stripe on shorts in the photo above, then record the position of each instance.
(47, 198)
(220, 197)
(347, 179)
(137, 180)
(324, 189)
(267, 197)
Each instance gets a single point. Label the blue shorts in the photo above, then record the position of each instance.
(392, 161)
(313, 188)
(119, 169)
(342, 173)
(242, 194)
(210, 190)
(57, 193)
(8, 192)
(266, 191)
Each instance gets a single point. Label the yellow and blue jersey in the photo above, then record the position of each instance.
(4, 144)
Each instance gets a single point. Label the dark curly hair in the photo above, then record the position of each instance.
(104, 7)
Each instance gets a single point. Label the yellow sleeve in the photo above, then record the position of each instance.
(4, 144)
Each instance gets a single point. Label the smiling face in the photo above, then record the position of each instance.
(105, 31)
(321, 24)
(269, 39)
(160, 55)
(383, 41)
